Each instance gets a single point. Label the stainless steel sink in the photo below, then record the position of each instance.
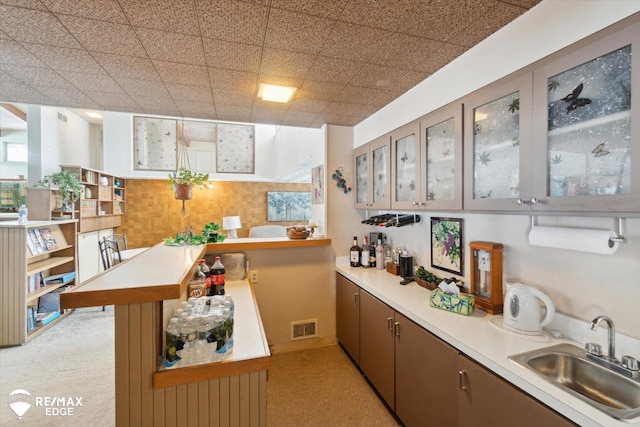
(567, 367)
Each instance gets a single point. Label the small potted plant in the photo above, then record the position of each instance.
(183, 180)
(67, 183)
(211, 233)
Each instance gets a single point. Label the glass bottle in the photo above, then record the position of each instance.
(354, 253)
(364, 257)
(217, 275)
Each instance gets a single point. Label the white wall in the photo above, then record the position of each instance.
(582, 285)
(295, 144)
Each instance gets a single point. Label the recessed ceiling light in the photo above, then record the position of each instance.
(93, 114)
(275, 93)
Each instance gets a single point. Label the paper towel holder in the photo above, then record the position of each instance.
(619, 238)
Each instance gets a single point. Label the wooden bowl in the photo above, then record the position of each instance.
(292, 233)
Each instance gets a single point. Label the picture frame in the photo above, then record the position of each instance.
(317, 185)
(447, 248)
(235, 148)
(288, 206)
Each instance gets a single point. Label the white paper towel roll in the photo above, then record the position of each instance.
(575, 239)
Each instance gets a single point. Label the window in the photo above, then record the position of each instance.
(15, 152)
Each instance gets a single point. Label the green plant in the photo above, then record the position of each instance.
(186, 176)
(211, 233)
(67, 182)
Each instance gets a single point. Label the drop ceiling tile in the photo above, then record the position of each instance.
(172, 72)
(233, 112)
(111, 100)
(308, 105)
(232, 55)
(355, 42)
(143, 87)
(105, 10)
(233, 20)
(442, 56)
(68, 97)
(38, 76)
(229, 80)
(173, 47)
(162, 110)
(323, 8)
(297, 32)
(4, 36)
(335, 119)
(485, 24)
(344, 108)
(28, 4)
(438, 19)
(65, 59)
(383, 99)
(13, 53)
(388, 15)
(91, 82)
(120, 66)
(378, 76)
(192, 93)
(104, 37)
(195, 109)
(410, 79)
(280, 80)
(334, 70)
(357, 94)
(176, 15)
(234, 98)
(157, 103)
(404, 51)
(21, 93)
(301, 117)
(34, 26)
(286, 63)
(324, 91)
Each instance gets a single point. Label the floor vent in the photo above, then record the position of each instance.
(303, 329)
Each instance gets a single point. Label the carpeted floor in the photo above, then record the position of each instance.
(74, 359)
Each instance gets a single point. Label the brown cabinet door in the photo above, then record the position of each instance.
(348, 316)
(426, 377)
(376, 345)
(485, 399)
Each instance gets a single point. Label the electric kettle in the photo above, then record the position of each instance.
(522, 310)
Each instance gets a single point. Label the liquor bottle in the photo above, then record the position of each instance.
(217, 274)
(364, 257)
(379, 254)
(372, 255)
(355, 253)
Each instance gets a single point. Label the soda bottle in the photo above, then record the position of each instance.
(217, 277)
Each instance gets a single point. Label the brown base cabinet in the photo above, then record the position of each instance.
(424, 380)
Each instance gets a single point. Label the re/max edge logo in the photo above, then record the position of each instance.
(20, 401)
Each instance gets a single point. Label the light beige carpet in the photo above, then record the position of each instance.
(74, 359)
(321, 387)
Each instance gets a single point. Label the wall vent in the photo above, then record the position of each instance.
(302, 329)
(62, 117)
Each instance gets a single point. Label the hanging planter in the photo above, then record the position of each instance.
(183, 191)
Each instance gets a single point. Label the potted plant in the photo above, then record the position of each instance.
(211, 234)
(183, 180)
(68, 184)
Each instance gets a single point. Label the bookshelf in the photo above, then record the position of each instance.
(103, 201)
(25, 262)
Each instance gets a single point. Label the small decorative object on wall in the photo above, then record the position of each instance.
(236, 149)
(446, 244)
(341, 183)
(317, 185)
(288, 206)
(486, 275)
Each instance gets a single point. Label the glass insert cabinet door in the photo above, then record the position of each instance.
(588, 127)
(405, 166)
(498, 127)
(372, 174)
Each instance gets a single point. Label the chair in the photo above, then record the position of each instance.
(121, 239)
(110, 254)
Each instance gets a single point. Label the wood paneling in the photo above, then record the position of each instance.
(153, 213)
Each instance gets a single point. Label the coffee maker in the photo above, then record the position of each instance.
(406, 268)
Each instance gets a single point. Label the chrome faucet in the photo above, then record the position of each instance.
(627, 366)
(611, 333)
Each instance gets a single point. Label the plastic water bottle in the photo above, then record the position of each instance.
(173, 343)
(23, 214)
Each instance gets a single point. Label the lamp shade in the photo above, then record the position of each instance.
(231, 223)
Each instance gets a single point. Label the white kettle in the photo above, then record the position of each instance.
(522, 311)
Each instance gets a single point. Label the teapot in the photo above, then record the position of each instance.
(522, 310)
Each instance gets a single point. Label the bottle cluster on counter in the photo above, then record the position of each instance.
(207, 281)
(200, 331)
(367, 255)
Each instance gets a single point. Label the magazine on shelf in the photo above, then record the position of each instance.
(41, 242)
(60, 278)
(48, 238)
(45, 318)
(35, 242)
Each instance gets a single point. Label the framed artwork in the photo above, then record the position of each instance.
(236, 148)
(317, 185)
(446, 244)
(154, 143)
(288, 206)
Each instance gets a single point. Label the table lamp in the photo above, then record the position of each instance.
(231, 223)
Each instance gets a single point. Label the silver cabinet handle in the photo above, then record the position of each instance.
(356, 298)
(522, 202)
(462, 380)
(390, 324)
(397, 328)
(535, 201)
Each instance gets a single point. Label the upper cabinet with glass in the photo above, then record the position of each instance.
(405, 166)
(498, 145)
(585, 126)
(372, 169)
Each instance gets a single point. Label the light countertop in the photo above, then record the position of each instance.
(477, 338)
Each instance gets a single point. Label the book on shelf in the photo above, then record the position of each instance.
(60, 278)
(48, 317)
(40, 239)
(34, 282)
(31, 317)
(34, 242)
(49, 240)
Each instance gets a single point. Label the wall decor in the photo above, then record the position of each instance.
(154, 143)
(317, 185)
(288, 206)
(236, 148)
(341, 182)
(446, 244)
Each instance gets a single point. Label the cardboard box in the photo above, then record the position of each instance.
(463, 303)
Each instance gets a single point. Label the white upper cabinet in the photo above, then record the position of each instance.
(372, 169)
